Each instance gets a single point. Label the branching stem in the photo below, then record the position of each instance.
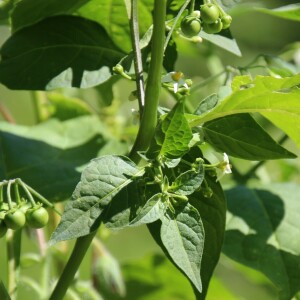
(149, 116)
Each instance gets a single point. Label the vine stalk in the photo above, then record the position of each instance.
(149, 116)
(146, 131)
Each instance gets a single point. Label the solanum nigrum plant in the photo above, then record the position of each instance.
(105, 174)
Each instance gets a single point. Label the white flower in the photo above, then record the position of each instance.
(176, 79)
(225, 166)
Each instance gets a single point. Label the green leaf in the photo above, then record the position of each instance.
(48, 156)
(153, 277)
(100, 182)
(241, 136)
(290, 12)
(223, 41)
(105, 90)
(64, 108)
(153, 210)
(170, 56)
(3, 292)
(62, 51)
(28, 12)
(213, 212)
(207, 104)
(262, 232)
(112, 15)
(172, 135)
(277, 99)
(188, 182)
(183, 237)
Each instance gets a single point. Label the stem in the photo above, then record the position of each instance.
(38, 99)
(6, 114)
(192, 6)
(149, 117)
(39, 196)
(24, 186)
(13, 260)
(66, 278)
(138, 65)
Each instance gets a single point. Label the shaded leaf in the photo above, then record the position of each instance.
(47, 156)
(3, 292)
(183, 237)
(28, 12)
(105, 90)
(262, 232)
(100, 182)
(170, 56)
(65, 108)
(62, 51)
(154, 277)
(275, 98)
(290, 12)
(241, 136)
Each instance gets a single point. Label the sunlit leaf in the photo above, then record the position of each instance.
(101, 180)
(112, 15)
(241, 136)
(183, 237)
(275, 98)
(225, 42)
(28, 12)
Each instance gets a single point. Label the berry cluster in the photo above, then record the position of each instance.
(16, 213)
(211, 18)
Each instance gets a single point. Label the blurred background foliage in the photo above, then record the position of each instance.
(147, 273)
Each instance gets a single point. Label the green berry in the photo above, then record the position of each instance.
(226, 21)
(37, 217)
(209, 13)
(214, 27)
(190, 26)
(15, 219)
(3, 228)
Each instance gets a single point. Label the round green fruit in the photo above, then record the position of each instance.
(15, 219)
(226, 21)
(213, 28)
(3, 228)
(37, 217)
(209, 13)
(190, 26)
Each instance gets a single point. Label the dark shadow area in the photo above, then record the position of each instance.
(251, 237)
(49, 170)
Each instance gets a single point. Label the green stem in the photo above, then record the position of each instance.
(66, 278)
(138, 65)
(13, 260)
(192, 6)
(38, 99)
(39, 196)
(149, 117)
